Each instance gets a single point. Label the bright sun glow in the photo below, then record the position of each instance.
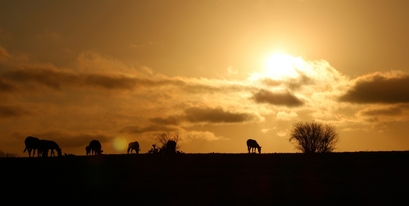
(280, 65)
(120, 144)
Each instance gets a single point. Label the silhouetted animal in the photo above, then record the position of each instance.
(133, 146)
(46, 145)
(253, 145)
(95, 147)
(170, 147)
(88, 150)
(31, 145)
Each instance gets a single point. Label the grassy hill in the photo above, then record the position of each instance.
(363, 178)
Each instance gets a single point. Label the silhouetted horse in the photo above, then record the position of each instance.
(46, 145)
(95, 147)
(31, 145)
(253, 145)
(133, 146)
(88, 150)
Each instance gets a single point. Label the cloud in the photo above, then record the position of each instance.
(205, 135)
(12, 111)
(286, 116)
(110, 82)
(5, 86)
(149, 128)
(215, 115)
(282, 133)
(172, 120)
(4, 54)
(383, 88)
(232, 71)
(276, 98)
(382, 114)
(266, 130)
(41, 74)
(388, 111)
(51, 77)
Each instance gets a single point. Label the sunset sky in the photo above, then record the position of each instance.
(218, 72)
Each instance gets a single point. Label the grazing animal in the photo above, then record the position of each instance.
(95, 147)
(46, 145)
(88, 150)
(31, 145)
(253, 145)
(170, 147)
(133, 146)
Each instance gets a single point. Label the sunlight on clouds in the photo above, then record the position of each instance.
(204, 135)
(282, 133)
(286, 115)
(232, 71)
(93, 62)
(266, 130)
(281, 65)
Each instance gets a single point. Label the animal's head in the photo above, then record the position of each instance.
(259, 150)
(87, 149)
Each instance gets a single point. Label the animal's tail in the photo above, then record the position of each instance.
(25, 149)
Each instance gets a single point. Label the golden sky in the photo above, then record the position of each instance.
(217, 71)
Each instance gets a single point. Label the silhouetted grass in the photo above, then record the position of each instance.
(7, 154)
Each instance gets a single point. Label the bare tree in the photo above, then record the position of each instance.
(314, 137)
(164, 138)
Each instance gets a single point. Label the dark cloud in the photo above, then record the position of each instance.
(111, 82)
(166, 121)
(146, 129)
(271, 82)
(195, 88)
(52, 78)
(390, 111)
(293, 83)
(56, 78)
(12, 111)
(379, 89)
(6, 86)
(215, 115)
(282, 99)
(297, 83)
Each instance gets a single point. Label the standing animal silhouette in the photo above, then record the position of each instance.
(253, 145)
(88, 150)
(31, 145)
(95, 147)
(46, 145)
(133, 146)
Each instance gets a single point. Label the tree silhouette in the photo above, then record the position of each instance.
(153, 150)
(314, 137)
(166, 138)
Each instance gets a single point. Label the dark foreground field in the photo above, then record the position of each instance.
(363, 178)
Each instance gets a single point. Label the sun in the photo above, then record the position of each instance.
(281, 66)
